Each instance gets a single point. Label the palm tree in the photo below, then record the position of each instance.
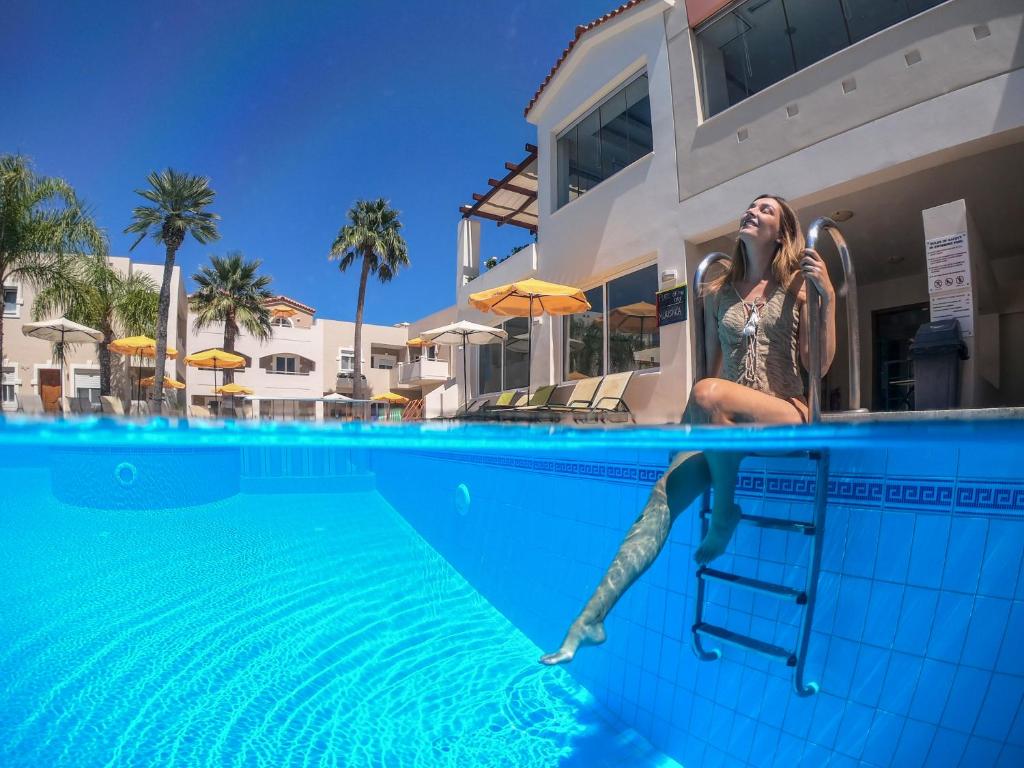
(231, 292)
(179, 208)
(107, 300)
(373, 237)
(43, 226)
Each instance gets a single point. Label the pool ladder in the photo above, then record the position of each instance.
(814, 528)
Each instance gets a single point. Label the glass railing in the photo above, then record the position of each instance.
(759, 42)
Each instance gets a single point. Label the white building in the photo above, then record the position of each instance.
(662, 121)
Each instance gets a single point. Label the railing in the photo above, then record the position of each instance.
(421, 370)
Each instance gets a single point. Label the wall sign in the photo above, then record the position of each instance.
(672, 305)
(949, 265)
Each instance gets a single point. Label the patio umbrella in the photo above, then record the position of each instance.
(141, 346)
(464, 333)
(521, 298)
(391, 397)
(61, 331)
(234, 389)
(215, 358)
(633, 317)
(169, 383)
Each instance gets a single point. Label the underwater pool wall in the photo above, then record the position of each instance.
(919, 621)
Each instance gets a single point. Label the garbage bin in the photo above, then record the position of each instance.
(937, 350)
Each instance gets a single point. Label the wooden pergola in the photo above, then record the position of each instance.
(512, 199)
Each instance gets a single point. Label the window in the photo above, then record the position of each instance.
(384, 362)
(585, 338)
(627, 327)
(284, 364)
(759, 42)
(10, 301)
(8, 383)
(346, 360)
(505, 365)
(282, 322)
(87, 385)
(613, 135)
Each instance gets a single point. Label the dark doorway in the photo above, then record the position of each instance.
(892, 330)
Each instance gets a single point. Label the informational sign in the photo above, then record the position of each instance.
(958, 304)
(949, 263)
(672, 305)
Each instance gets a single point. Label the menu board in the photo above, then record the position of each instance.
(672, 305)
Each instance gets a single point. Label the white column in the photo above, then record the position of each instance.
(468, 252)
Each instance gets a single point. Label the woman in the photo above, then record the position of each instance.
(756, 339)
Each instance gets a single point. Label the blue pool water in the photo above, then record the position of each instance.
(379, 596)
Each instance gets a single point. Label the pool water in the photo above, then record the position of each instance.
(276, 630)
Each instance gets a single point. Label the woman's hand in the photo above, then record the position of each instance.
(814, 271)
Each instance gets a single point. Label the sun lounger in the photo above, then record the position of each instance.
(608, 403)
(529, 407)
(111, 406)
(31, 404)
(580, 397)
(199, 412)
(140, 408)
(505, 400)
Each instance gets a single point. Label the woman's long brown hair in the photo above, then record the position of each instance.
(785, 262)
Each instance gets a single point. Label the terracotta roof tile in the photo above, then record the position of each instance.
(281, 299)
(581, 30)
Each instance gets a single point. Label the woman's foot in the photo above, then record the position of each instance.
(580, 633)
(723, 524)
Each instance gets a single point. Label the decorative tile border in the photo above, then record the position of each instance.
(967, 496)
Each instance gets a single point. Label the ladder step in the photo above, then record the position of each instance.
(750, 643)
(776, 523)
(798, 596)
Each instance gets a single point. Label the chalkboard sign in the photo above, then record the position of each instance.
(672, 305)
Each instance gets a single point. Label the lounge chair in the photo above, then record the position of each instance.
(534, 406)
(580, 398)
(505, 400)
(199, 412)
(139, 408)
(111, 406)
(608, 402)
(31, 404)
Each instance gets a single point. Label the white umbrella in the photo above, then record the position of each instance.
(336, 397)
(464, 333)
(62, 331)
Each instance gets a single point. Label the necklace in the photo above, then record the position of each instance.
(753, 312)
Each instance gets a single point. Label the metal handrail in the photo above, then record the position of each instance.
(848, 290)
(700, 368)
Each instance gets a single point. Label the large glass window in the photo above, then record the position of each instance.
(87, 385)
(633, 321)
(607, 139)
(285, 364)
(517, 362)
(585, 338)
(627, 327)
(506, 365)
(759, 42)
(346, 360)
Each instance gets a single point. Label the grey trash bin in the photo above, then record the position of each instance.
(937, 350)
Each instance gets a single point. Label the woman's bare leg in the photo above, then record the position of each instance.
(727, 403)
(686, 478)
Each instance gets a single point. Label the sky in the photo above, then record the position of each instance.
(294, 110)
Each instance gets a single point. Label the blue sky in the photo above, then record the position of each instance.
(294, 110)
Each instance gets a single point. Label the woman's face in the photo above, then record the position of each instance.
(761, 222)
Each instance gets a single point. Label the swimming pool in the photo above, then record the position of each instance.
(220, 595)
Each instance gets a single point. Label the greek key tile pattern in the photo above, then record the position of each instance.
(964, 496)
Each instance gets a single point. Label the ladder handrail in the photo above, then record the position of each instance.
(700, 368)
(848, 290)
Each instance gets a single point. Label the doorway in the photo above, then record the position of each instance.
(49, 389)
(892, 332)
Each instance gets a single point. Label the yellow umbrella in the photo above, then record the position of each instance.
(138, 345)
(169, 383)
(417, 342)
(391, 397)
(633, 317)
(143, 346)
(215, 358)
(234, 389)
(519, 300)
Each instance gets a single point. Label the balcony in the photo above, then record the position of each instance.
(419, 373)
